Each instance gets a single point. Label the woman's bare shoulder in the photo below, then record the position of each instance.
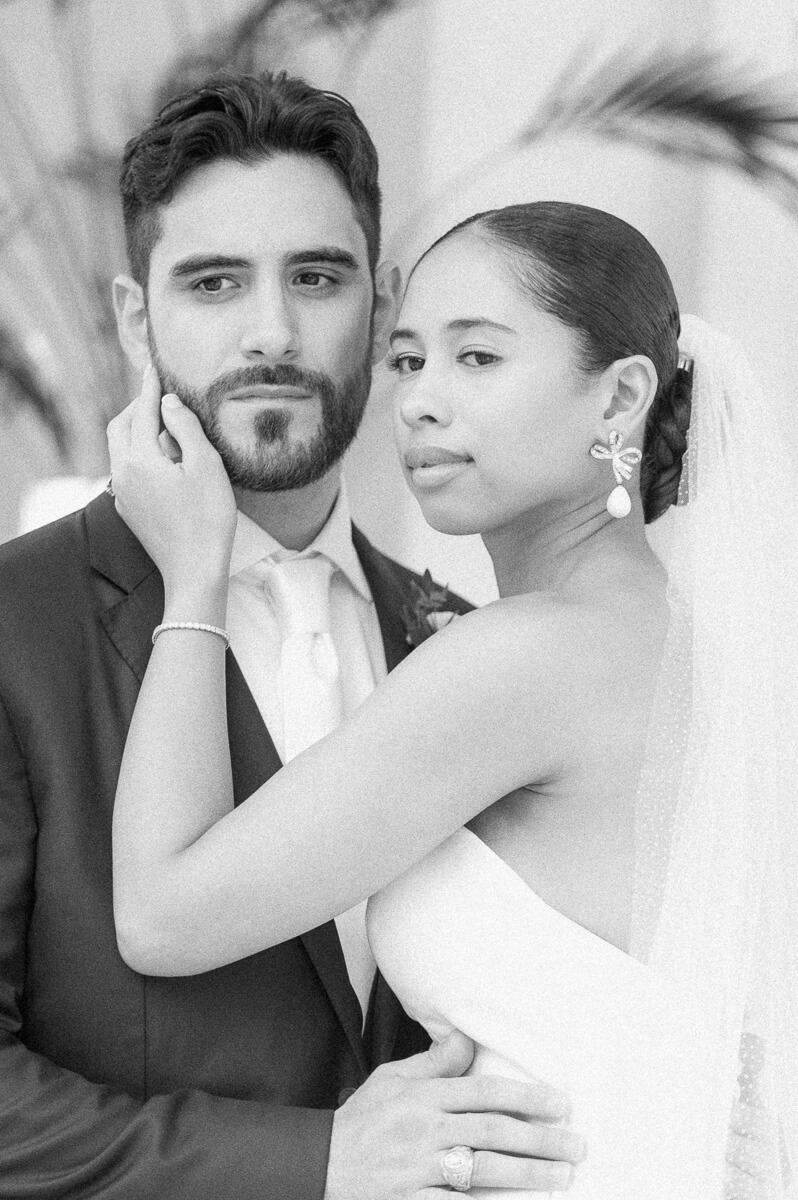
(534, 630)
(549, 657)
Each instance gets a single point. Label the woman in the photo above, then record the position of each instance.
(592, 903)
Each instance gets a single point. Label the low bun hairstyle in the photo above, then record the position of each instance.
(600, 277)
(664, 445)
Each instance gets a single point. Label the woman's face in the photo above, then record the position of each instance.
(493, 418)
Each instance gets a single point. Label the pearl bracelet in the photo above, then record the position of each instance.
(222, 633)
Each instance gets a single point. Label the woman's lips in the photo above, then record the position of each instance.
(431, 466)
(432, 456)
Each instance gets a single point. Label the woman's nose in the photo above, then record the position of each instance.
(423, 401)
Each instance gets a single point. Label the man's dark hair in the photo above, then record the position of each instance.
(245, 119)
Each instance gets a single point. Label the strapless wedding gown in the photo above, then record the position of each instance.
(466, 944)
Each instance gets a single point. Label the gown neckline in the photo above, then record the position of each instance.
(574, 927)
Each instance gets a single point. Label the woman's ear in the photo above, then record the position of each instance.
(387, 298)
(632, 383)
(131, 320)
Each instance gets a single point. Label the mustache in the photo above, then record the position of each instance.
(278, 375)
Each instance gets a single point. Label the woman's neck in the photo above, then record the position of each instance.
(567, 550)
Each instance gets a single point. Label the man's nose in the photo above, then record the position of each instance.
(269, 330)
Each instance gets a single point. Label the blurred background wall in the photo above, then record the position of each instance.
(442, 85)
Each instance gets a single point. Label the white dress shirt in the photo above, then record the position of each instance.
(255, 641)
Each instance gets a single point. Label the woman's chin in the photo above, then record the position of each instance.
(447, 519)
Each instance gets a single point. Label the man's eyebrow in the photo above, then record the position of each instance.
(207, 262)
(461, 323)
(335, 256)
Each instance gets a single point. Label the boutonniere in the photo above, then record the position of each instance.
(430, 610)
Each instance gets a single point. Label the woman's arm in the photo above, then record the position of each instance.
(478, 710)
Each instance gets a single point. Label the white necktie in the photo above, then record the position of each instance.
(312, 696)
(313, 705)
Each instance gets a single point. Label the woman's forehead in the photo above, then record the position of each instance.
(463, 276)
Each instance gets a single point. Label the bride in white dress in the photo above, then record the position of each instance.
(573, 809)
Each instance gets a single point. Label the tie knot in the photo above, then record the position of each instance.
(300, 592)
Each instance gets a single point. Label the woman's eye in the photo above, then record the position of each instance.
(212, 285)
(478, 358)
(405, 364)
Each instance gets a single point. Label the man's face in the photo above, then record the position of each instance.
(259, 315)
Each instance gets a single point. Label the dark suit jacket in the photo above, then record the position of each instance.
(215, 1087)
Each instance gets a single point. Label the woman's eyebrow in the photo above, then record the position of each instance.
(473, 322)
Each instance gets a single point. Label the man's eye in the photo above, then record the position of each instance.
(212, 285)
(314, 279)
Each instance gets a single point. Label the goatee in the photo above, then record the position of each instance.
(273, 464)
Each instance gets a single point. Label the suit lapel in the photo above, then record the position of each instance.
(134, 608)
(254, 760)
(390, 593)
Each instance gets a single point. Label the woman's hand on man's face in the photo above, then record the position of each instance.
(171, 488)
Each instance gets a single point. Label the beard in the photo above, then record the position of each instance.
(272, 463)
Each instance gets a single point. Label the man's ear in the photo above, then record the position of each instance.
(632, 385)
(387, 298)
(131, 320)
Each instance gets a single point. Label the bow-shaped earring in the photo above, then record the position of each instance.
(619, 503)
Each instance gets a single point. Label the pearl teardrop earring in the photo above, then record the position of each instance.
(619, 503)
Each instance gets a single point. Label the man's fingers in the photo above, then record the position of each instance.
(493, 1131)
(451, 1057)
(530, 1175)
(531, 1101)
(444, 1060)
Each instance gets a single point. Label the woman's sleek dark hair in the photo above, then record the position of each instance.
(603, 279)
(244, 118)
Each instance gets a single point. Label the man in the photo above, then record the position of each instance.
(252, 218)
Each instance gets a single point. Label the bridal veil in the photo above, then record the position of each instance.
(716, 888)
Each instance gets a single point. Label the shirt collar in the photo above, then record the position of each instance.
(251, 544)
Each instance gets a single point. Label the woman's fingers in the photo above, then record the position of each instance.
(169, 447)
(145, 424)
(186, 431)
(118, 434)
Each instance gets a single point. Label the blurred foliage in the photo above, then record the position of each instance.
(691, 104)
(19, 379)
(695, 104)
(269, 33)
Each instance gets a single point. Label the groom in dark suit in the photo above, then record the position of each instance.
(252, 218)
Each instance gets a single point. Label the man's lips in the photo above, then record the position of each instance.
(432, 456)
(269, 391)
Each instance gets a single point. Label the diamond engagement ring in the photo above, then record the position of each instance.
(458, 1167)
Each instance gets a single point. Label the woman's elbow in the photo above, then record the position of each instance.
(146, 944)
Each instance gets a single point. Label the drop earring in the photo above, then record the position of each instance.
(619, 503)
